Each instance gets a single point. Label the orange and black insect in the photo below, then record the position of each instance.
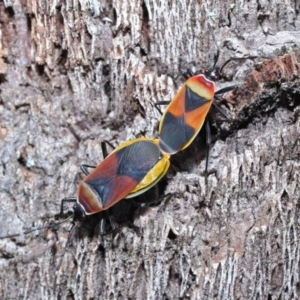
(187, 112)
(131, 169)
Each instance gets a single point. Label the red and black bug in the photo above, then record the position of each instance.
(130, 170)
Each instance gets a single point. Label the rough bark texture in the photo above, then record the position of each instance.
(74, 73)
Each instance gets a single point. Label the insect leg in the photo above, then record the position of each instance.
(65, 200)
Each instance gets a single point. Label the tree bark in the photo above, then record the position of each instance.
(74, 73)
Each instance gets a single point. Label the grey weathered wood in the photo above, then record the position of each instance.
(73, 73)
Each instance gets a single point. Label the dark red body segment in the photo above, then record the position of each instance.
(117, 175)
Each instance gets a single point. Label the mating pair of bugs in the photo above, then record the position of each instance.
(137, 165)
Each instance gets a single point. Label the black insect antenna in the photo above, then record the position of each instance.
(218, 49)
(214, 72)
(36, 228)
(47, 227)
(238, 58)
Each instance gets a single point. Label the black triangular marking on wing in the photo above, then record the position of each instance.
(137, 159)
(193, 100)
(175, 133)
